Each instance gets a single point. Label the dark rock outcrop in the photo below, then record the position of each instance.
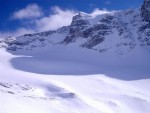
(145, 10)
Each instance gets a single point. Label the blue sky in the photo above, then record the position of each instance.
(25, 16)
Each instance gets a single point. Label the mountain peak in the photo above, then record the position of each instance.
(119, 32)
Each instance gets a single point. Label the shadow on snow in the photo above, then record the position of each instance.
(58, 61)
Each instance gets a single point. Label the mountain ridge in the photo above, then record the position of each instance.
(119, 31)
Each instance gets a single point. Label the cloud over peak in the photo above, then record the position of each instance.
(29, 12)
(56, 20)
(97, 11)
(33, 19)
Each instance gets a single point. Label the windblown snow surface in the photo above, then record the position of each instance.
(69, 79)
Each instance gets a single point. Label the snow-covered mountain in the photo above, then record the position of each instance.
(30, 41)
(120, 31)
(77, 69)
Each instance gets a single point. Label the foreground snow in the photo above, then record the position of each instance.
(60, 79)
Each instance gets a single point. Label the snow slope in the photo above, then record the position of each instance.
(49, 72)
(69, 79)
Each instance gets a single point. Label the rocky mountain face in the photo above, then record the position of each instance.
(145, 9)
(31, 41)
(144, 29)
(119, 31)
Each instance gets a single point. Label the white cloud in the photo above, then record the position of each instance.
(56, 20)
(99, 12)
(30, 11)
